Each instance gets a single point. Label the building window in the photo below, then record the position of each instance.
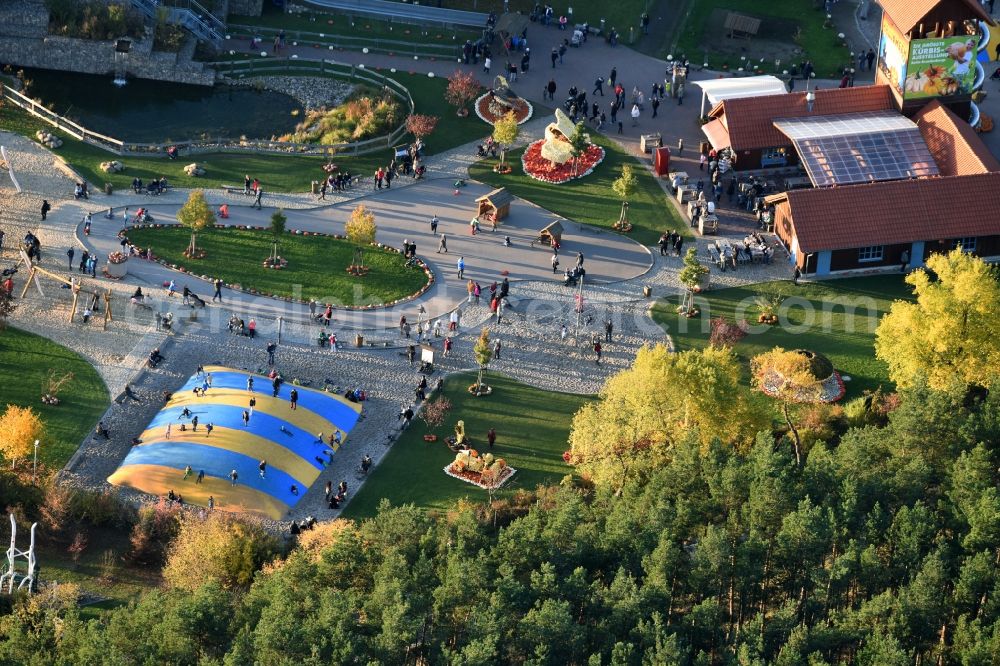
(966, 244)
(873, 253)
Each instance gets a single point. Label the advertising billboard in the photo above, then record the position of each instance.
(892, 53)
(941, 67)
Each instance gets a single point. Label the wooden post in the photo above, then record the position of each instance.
(72, 310)
(107, 309)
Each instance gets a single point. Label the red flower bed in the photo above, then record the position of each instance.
(540, 168)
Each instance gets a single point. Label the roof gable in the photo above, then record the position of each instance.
(893, 212)
(907, 14)
(750, 121)
(956, 147)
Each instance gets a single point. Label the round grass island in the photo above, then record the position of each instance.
(316, 269)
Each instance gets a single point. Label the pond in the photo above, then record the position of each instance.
(146, 111)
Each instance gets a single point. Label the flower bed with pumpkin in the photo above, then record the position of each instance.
(485, 471)
(313, 264)
(553, 159)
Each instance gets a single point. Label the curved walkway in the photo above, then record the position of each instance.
(405, 214)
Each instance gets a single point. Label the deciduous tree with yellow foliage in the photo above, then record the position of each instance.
(360, 229)
(19, 428)
(951, 332)
(643, 411)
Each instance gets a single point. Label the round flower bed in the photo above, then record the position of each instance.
(490, 111)
(830, 384)
(479, 391)
(276, 263)
(539, 168)
(117, 258)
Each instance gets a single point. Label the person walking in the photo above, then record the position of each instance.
(563, 332)
(218, 290)
(250, 384)
(46, 207)
(904, 261)
(200, 477)
(447, 347)
(434, 225)
(262, 468)
(487, 61)
(256, 200)
(551, 89)
(555, 263)
(187, 472)
(613, 77)
(271, 348)
(461, 268)
(608, 327)
(211, 498)
(443, 244)
(598, 86)
(252, 404)
(233, 477)
(293, 399)
(655, 103)
(597, 350)
(497, 346)
(69, 253)
(635, 115)
(796, 275)
(209, 427)
(166, 435)
(554, 56)
(491, 437)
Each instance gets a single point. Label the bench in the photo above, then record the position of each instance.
(405, 12)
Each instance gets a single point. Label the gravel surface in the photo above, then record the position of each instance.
(312, 92)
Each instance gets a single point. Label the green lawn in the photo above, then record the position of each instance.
(590, 199)
(25, 361)
(836, 318)
(316, 264)
(532, 433)
(278, 173)
(804, 23)
(336, 23)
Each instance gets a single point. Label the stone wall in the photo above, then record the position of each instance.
(98, 57)
(246, 7)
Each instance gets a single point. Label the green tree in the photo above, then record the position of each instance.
(360, 229)
(197, 216)
(578, 142)
(951, 332)
(278, 222)
(691, 277)
(505, 131)
(645, 410)
(788, 375)
(483, 353)
(625, 187)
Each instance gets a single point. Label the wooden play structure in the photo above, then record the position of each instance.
(74, 284)
(740, 25)
(550, 235)
(494, 206)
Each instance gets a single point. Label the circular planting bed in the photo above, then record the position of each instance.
(490, 109)
(539, 168)
(313, 265)
(828, 386)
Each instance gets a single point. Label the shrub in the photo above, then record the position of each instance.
(156, 526)
(361, 117)
(220, 547)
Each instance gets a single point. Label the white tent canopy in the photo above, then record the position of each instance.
(716, 90)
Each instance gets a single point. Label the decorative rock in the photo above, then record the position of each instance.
(48, 139)
(114, 166)
(194, 169)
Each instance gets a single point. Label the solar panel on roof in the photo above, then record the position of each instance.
(859, 148)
